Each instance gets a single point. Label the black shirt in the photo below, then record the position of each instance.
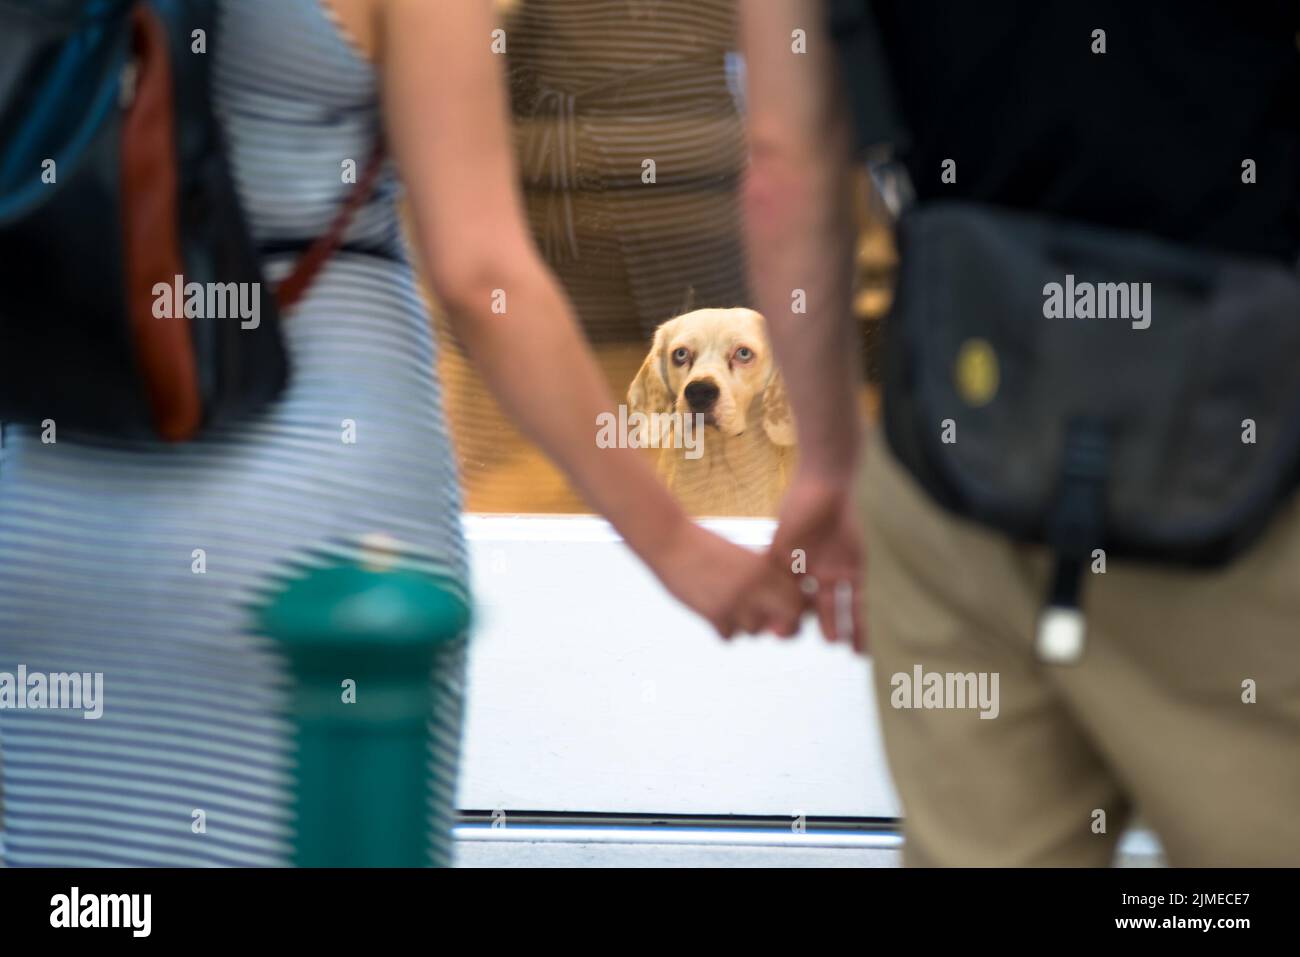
(1151, 134)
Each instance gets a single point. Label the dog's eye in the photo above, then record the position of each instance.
(744, 354)
(680, 355)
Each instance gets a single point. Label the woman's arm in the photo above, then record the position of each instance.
(448, 128)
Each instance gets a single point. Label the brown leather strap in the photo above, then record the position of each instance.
(305, 270)
(164, 346)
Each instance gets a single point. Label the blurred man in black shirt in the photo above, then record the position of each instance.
(1151, 135)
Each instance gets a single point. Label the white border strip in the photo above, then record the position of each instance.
(729, 836)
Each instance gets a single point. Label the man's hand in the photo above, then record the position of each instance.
(800, 231)
(818, 518)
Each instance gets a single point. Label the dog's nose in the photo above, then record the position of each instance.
(701, 394)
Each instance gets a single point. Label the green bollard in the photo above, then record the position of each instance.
(362, 796)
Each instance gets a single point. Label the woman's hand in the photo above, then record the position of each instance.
(733, 588)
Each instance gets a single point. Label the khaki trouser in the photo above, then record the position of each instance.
(1151, 720)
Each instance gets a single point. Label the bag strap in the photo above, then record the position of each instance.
(305, 270)
(879, 129)
(877, 118)
(1075, 526)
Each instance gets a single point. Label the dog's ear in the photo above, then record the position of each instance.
(648, 392)
(778, 423)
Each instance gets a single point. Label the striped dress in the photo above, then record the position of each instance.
(99, 542)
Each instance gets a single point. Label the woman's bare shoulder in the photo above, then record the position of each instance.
(358, 23)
